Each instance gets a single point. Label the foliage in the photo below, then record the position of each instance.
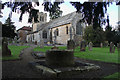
(93, 12)
(23, 7)
(53, 9)
(99, 54)
(15, 52)
(113, 76)
(8, 29)
(112, 35)
(94, 36)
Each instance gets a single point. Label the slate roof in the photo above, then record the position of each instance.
(25, 28)
(66, 19)
(58, 21)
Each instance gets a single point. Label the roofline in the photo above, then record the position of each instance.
(60, 25)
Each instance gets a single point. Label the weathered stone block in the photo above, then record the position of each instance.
(59, 58)
(71, 44)
(82, 46)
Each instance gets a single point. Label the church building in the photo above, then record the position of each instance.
(58, 30)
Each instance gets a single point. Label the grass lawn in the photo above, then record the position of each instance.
(115, 75)
(99, 54)
(15, 50)
(46, 48)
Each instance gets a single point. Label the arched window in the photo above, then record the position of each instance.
(40, 18)
(57, 32)
(66, 29)
(44, 34)
(79, 28)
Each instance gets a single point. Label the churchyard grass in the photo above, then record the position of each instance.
(99, 54)
(115, 75)
(46, 48)
(15, 51)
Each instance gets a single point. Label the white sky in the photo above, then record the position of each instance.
(66, 7)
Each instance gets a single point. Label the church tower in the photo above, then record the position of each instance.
(42, 18)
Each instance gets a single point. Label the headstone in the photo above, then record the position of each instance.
(13, 42)
(112, 47)
(118, 46)
(101, 45)
(48, 43)
(35, 42)
(41, 43)
(90, 46)
(106, 44)
(82, 46)
(54, 47)
(70, 44)
(5, 50)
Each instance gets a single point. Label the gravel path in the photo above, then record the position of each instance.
(21, 69)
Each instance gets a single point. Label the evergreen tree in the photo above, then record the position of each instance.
(8, 29)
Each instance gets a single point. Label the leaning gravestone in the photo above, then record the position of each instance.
(36, 43)
(41, 43)
(118, 46)
(90, 46)
(82, 46)
(13, 42)
(70, 44)
(101, 45)
(112, 47)
(5, 50)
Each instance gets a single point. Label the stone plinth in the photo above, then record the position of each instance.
(59, 58)
(70, 44)
(61, 72)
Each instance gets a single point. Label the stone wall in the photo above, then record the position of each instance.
(62, 38)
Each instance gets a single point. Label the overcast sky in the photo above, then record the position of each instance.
(66, 7)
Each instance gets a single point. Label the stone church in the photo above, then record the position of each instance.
(59, 30)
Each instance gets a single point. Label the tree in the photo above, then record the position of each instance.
(8, 29)
(53, 9)
(7, 32)
(24, 7)
(94, 36)
(94, 12)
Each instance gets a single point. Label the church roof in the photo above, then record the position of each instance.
(58, 21)
(25, 28)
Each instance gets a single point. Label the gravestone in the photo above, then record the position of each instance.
(112, 47)
(90, 46)
(5, 50)
(41, 43)
(54, 47)
(101, 45)
(82, 46)
(118, 46)
(70, 44)
(13, 42)
(35, 42)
